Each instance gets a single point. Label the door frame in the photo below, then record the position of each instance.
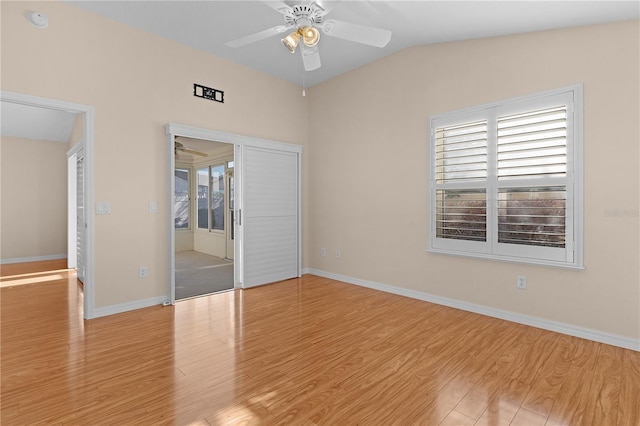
(87, 144)
(239, 141)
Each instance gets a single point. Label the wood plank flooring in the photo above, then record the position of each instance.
(308, 351)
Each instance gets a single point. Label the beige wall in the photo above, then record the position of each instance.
(34, 198)
(137, 82)
(368, 171)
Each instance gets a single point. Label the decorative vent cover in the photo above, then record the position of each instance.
(208, 93)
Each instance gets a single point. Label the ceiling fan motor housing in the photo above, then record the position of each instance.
(304, 15)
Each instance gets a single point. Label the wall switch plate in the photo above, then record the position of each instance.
(521, 282)
(153, 206)
(103, 208)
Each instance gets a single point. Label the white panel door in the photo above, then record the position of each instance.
(270, 215)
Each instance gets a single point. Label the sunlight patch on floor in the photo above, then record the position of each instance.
(33, 278)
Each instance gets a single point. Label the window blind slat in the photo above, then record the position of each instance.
(538, 143)
(532, 153)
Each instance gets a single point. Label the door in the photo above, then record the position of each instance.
(81, 225)
(270, 215)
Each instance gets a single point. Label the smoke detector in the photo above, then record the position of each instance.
(38, 20)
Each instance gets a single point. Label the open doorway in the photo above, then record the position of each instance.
(266, 206)
(36, 125)
(204, 217)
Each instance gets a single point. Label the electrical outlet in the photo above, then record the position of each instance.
(337, 254)
(323, 252)
(142, 272)
(521, 282)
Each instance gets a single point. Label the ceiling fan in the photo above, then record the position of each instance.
(305, 20)
(178, 146)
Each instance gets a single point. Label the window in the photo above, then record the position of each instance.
(203, 198)
(506, 180)
(181, 198)
(217, 197)
(211, 198)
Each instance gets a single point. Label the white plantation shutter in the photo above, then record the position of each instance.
(460, 166)
(533, 144)
(461, 152)
(503, 180)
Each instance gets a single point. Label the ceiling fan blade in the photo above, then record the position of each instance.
(311, 58)
(327, 6)
(194, 151)
(179, 146)
(252, 38)
(359, 33)
(279, 6)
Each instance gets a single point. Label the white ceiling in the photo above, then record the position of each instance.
(28, 122)
(207, 25)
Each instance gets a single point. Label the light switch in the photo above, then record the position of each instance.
(153, 206)
(103, 208)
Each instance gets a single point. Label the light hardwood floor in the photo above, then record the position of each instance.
(308, 351)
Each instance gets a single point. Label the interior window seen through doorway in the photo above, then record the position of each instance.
(211, 198)
(181, 199)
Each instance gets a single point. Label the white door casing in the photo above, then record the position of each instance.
(87, 146)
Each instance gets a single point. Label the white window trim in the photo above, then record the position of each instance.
(189, 168)
(575, 164)
(208, 164)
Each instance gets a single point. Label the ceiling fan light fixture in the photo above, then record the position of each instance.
(291, 41)
(310, 36)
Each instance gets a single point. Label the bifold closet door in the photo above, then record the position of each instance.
(270, 215)
(80, 217)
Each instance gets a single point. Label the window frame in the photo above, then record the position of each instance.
(189, 171)
(208, 166)
(571, 256)
(197, 174)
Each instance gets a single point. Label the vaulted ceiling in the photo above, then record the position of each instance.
(207, 25)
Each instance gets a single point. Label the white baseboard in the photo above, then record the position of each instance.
(33, 259)
(129, 306)
(571, 330)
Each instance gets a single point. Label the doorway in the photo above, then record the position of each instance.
(44, 105)
(203, 202)
(266, 207)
